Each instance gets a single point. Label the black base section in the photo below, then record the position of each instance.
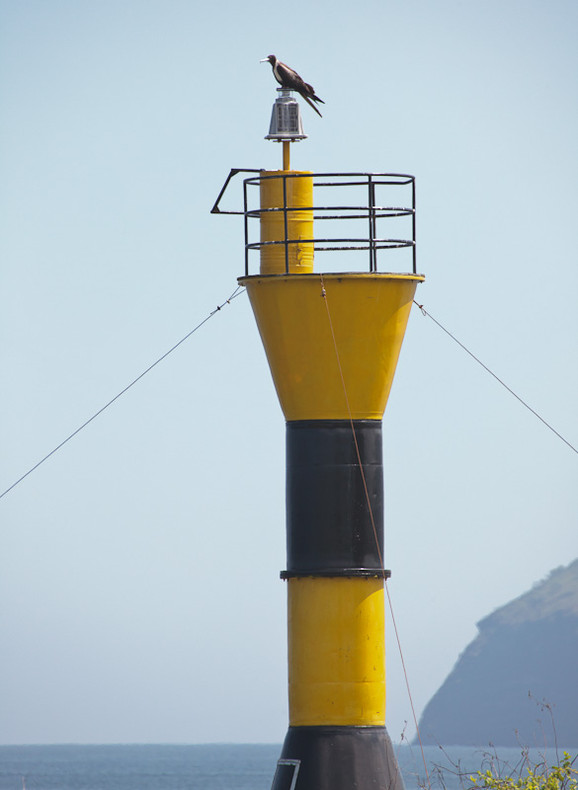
(330, 525)
(337, 758)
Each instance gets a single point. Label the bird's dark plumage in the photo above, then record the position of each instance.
(288, 78)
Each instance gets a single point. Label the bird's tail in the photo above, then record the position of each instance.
(311, 92)
(310, 103)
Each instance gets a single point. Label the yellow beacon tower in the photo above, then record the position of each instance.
(332, 336)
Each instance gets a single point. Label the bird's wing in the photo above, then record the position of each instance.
(288, 75)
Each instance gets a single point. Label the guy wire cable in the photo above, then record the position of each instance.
(487, 369)
(234, 295)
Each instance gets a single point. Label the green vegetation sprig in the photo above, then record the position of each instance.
(539, 777)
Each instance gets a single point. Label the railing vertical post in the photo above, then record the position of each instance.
(371, 215)
(413, 224)
(286, 224)
(246, 223)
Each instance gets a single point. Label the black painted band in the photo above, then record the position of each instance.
(331, 526)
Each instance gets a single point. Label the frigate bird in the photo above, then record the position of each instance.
(288, 78)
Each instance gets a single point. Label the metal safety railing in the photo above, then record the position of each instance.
(367, 188)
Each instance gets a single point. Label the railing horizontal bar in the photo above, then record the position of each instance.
(280, 174)
(401, 210)
(376, 215)
(405, 209)
(220, 211)
(407, 178)
(365, 247)
(257, 181)
(359, 183)
(256, 245)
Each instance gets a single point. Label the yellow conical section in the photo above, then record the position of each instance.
(332, 340)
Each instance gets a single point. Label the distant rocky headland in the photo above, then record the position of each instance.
(518, 679)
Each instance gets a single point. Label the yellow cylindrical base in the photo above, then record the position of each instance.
(336, 651)
(298, 198)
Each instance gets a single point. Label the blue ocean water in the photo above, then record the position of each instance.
(208, 767)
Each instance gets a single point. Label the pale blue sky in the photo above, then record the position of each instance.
(139, 592)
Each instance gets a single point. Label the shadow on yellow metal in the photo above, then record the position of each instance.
(369, 314)
(299, 199)
(336, 652)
